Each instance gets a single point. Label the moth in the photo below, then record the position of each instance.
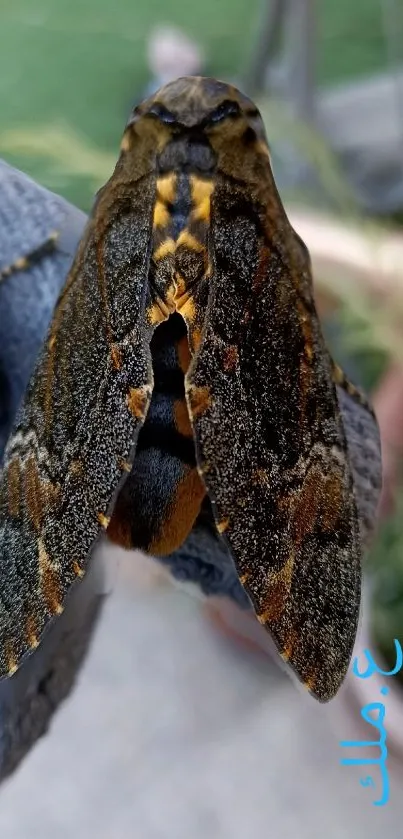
(185, 379)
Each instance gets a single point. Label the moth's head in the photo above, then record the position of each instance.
(195, 109)
(199, 103)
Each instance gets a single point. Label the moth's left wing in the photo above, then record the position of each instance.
(270, 440)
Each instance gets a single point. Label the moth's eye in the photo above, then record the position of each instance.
(226, 109)
(161, 112)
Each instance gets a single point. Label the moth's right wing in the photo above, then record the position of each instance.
(76, 431)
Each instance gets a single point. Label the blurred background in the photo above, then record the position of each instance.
(71, 70)
(328, 78)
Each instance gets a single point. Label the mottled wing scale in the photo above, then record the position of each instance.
(77, 428)
(271, 444)
(260, 393)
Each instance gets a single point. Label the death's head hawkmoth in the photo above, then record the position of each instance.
(185, 379)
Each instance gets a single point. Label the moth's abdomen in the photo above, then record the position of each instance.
(162, 497)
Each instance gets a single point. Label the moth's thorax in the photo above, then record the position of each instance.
(180, 255)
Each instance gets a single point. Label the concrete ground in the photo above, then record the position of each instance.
(173, 733)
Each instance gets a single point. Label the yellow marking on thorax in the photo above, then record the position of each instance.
(184, 304)
(51, 495)
(180, 286)
(166, 188)
(161, 215)
(166, 191)
(188, 310)
(158, 312)
(189, 241)
(167, 247)
(176, 298)
(201, 192)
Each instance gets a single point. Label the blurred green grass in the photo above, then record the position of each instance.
(80, 64)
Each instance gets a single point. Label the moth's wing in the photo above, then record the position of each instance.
(75, 433)
(364, 448)
(270, 441)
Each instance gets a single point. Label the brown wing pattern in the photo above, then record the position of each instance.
(271, 444)
(77, 428)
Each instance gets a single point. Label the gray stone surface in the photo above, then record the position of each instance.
(174, 733)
